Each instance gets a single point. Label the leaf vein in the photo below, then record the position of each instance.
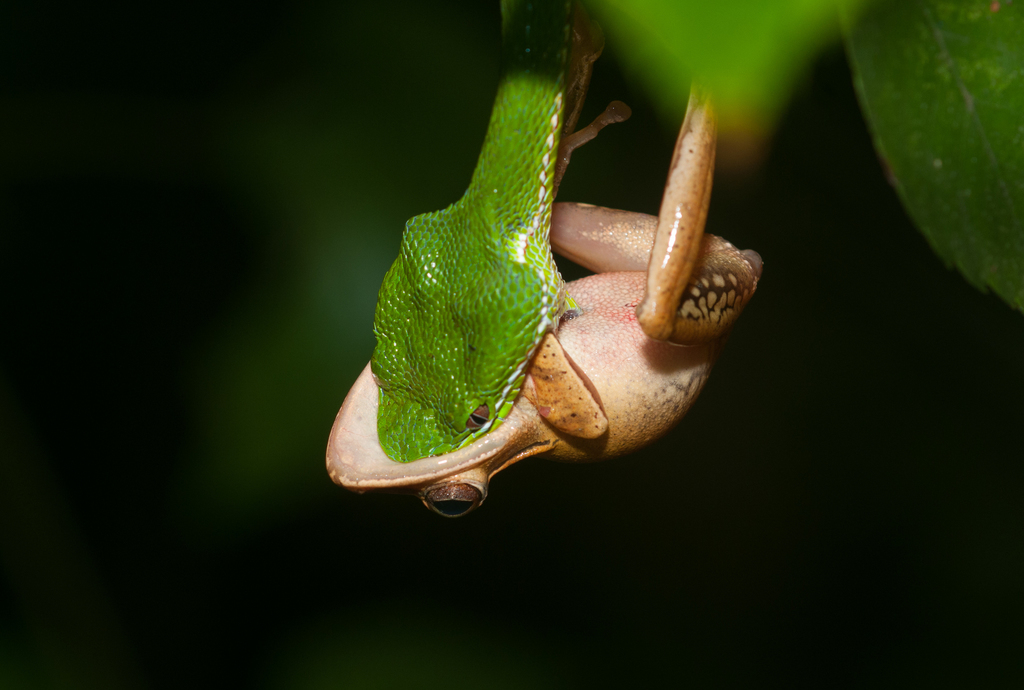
(973, 113)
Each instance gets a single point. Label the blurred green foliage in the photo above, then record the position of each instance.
(750, 54)
(409, 647)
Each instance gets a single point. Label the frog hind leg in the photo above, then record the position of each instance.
(617, 111)
(587, 45)
(721, 282)
(684, 210)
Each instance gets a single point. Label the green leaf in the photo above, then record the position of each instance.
(942, 87)
(749, 53)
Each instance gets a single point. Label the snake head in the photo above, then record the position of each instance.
(455, 327)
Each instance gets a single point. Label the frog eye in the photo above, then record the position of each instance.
(453, 500)
(478, 417)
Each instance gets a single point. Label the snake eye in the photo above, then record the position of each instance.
(478, 417)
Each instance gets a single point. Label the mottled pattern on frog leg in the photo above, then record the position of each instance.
(603, 239)
(720, 286)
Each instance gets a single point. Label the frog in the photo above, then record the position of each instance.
(601, 362)
(622, 359)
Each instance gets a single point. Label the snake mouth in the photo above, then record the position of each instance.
(453, 499)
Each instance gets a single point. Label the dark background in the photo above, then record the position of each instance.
(197, 205)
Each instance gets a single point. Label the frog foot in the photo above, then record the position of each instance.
(617, 111)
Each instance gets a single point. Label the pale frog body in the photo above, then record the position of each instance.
(606, 378)
(642, 387)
